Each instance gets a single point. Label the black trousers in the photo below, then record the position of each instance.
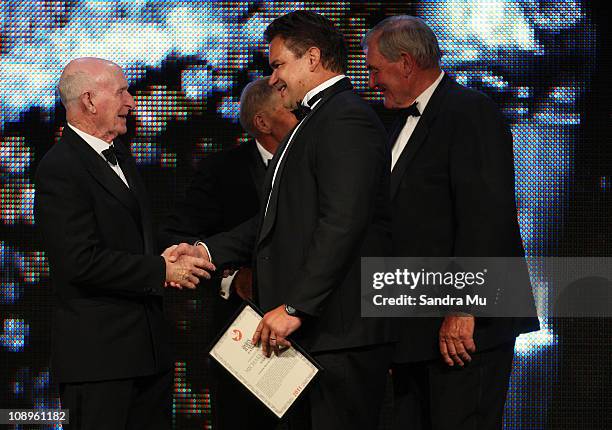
(432, 395)
(347, 395)
(135, 403)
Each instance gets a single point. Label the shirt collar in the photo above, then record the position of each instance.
(424, 97)
(266, 155)
(96, 143)
(316, 90)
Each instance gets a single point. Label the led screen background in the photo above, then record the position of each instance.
(187, 62)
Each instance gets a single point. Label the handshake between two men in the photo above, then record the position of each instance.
(186, 263)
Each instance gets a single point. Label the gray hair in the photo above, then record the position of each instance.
(408, 34)
(255, 96)
(81, 75)
(71, 86)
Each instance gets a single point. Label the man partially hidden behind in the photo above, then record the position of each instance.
(452, 194)
(325, 204)
(110, 347)
(225, 191)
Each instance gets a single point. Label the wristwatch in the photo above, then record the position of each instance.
(291, 311)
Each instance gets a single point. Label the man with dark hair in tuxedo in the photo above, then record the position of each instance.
(110, 349)
(224, 192)
(452, 195)
(325, 205)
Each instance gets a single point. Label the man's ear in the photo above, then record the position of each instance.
(314, 57)
(87, 103)
(260, 123)
(407, 63)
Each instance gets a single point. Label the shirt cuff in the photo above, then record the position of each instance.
(200, 243)
(226, 283)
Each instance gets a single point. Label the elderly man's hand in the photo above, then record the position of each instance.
(456, 339)
(175, 251)
(184, 270)
(242, 283)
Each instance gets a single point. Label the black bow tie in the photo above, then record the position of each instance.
(303, 110)
(111, 155)
(411, 110)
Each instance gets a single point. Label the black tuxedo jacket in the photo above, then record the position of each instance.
(224, 192)
(97, 234)
(328, 207)
(452, 194)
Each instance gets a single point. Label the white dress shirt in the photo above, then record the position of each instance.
(266, 155)
(412, 121)
(322, 86)
(100, 145)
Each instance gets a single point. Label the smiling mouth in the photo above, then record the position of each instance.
(281, 87)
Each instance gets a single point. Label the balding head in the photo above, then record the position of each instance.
(94, 92)
(82, 75)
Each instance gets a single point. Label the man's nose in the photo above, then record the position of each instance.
(371, 81)
(273, 78)
(130, 101)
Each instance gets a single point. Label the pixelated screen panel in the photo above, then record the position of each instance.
(187, 61)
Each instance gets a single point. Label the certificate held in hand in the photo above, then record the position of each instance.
(277, 381)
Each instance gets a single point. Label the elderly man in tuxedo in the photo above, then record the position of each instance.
(452, 195)
(110, 350)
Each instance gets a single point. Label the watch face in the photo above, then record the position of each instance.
(290, 310)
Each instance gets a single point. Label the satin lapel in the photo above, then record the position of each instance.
(129, 169)
(270, 215)
(418, 135)
(396, 130)
(267, 218)
(102, 173)
(267, 184)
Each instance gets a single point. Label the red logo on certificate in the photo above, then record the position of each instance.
(237, 335)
